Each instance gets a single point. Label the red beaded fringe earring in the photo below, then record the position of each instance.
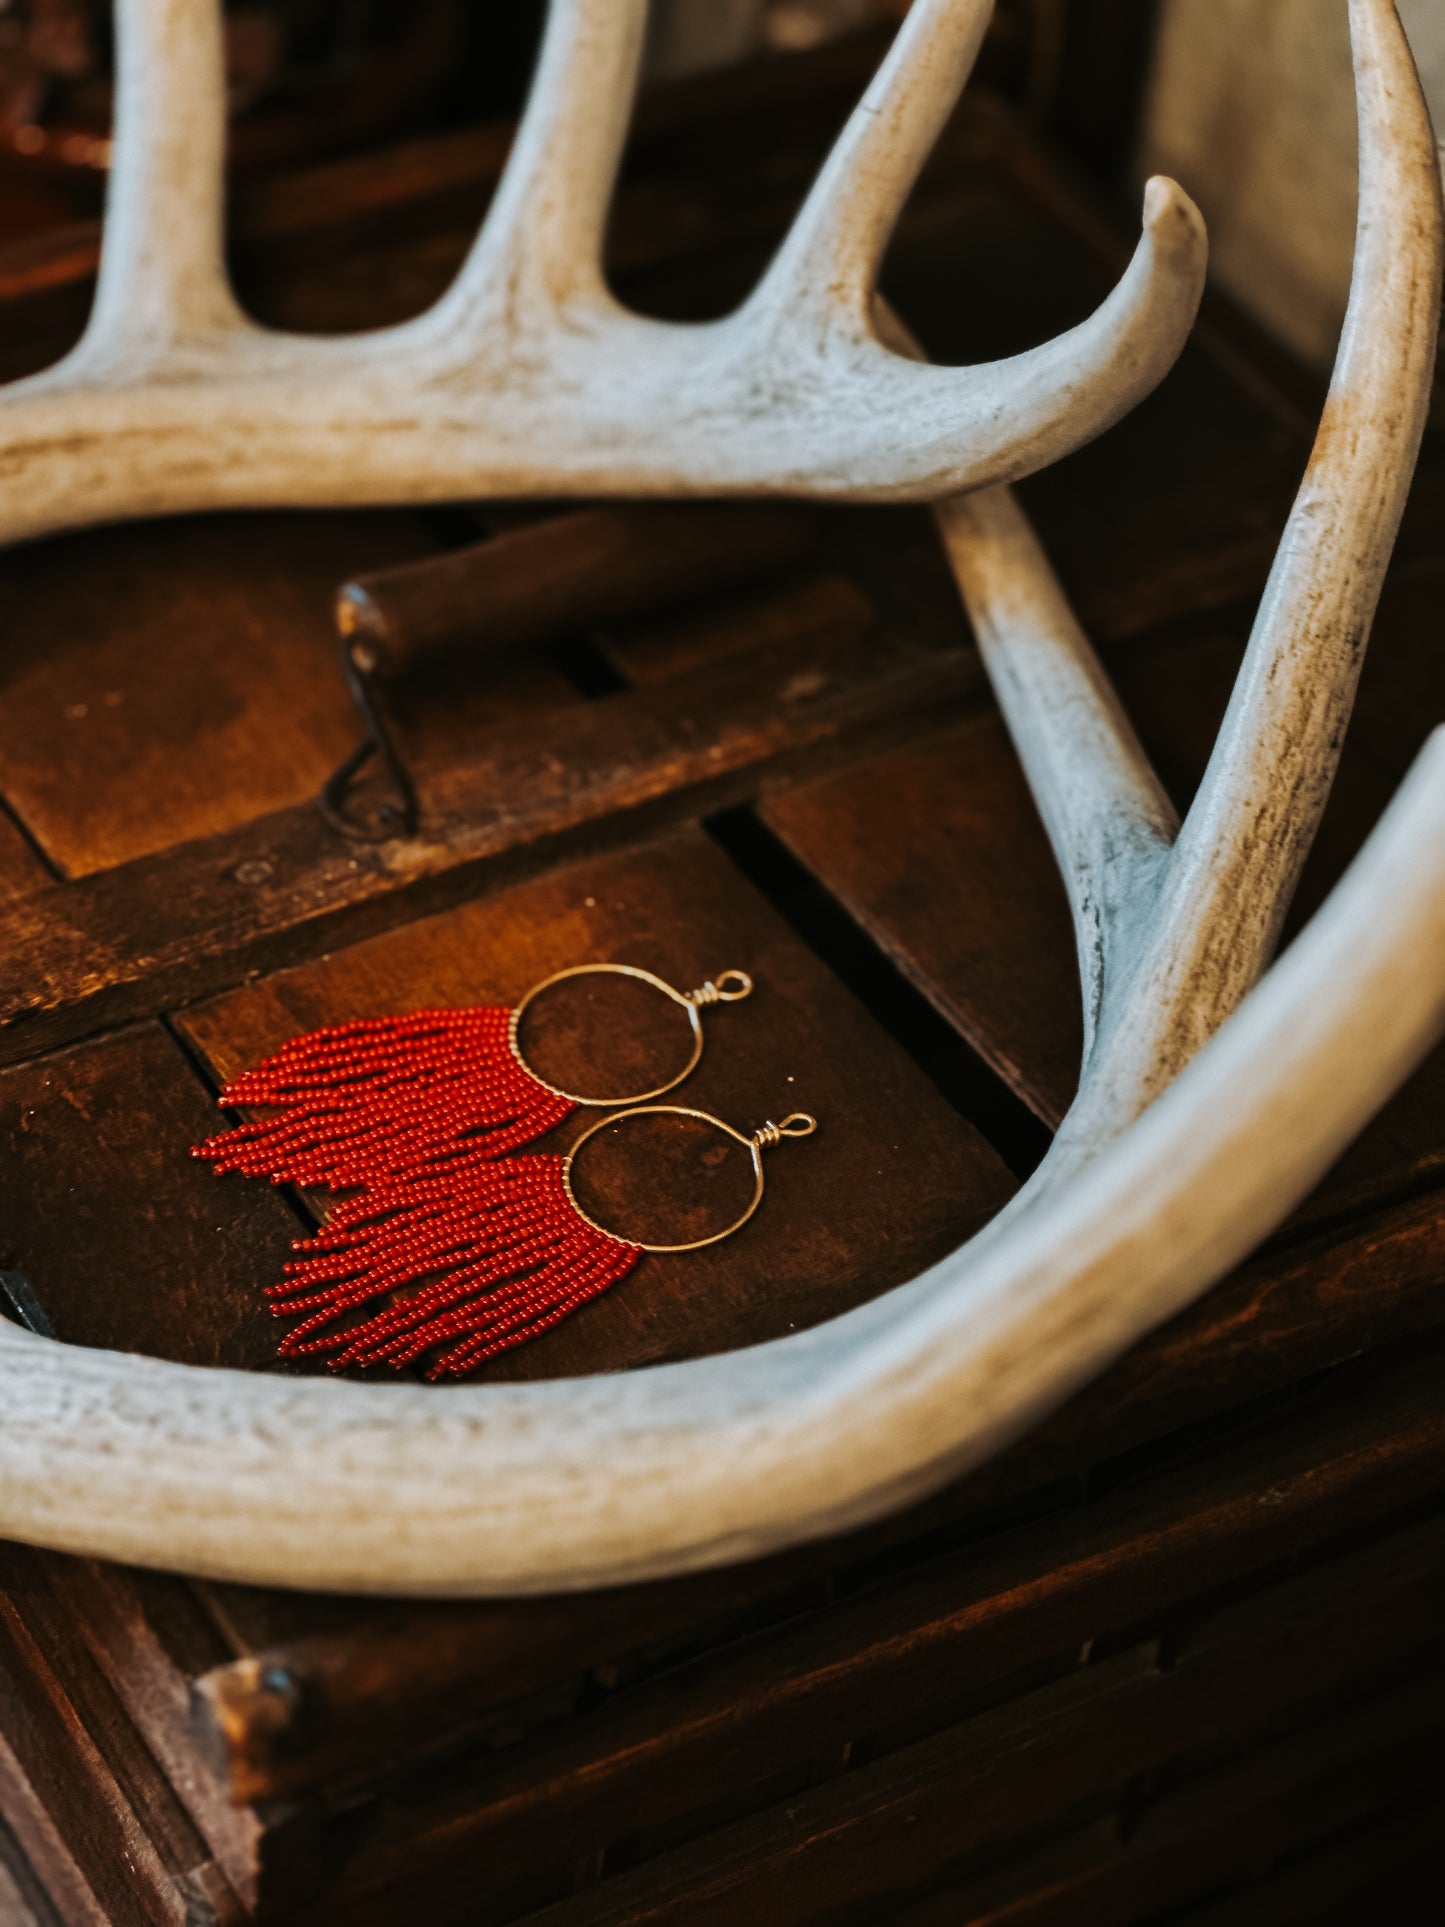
(417, 1115)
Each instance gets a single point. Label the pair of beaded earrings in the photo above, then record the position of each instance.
(417, 1117)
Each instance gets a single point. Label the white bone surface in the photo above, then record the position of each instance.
(528, 377)
(1211, 1100)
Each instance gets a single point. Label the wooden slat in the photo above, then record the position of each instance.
(1254, 1843)
(854, 1846)
(122, 1238)
(852, 1853)
(39, 1870)
(175, 680)
(189, 920)
(901, 1660)
(387, 1680)
(786, 617)
(1285, 1315)
(975, 916)
(116, 1812)
(150, 1637)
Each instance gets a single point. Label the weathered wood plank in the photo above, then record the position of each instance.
(850, 1853)
(939, 854)
(859, 1844)
(173, 681)
(122, 1239)
(21, 867)
(183, 922)
(50, 1889)
(115, 1811)
(387, 1681)
(894, 1662)
(1254, 1842)
(151, 1638)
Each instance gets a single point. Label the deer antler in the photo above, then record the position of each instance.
(1175, 926)
(527, 376)
(1249, 1094)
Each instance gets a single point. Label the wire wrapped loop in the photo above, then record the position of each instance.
(730, 988)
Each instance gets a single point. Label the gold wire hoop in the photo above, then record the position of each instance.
(796, 1124)
(730, 987)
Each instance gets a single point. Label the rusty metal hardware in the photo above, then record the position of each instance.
(582, 570)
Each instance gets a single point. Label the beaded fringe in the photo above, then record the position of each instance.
(385, 1097)
(417, 1116)
(504, 1254)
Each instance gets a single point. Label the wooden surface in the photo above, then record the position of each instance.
(1177, 1654)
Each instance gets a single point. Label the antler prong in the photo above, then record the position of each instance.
(1171, 940)
(1108, 818)
(543, 235)
(995, 421)
(1254, 818)
(1109, 821)
(162, 269)
(527, 377)
(835, 246)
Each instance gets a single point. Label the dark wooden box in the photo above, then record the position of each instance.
(1175, 1657)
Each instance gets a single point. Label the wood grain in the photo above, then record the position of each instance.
(118, 1815)
(998, 960)
(188, 920)
(176, 680)
(892, 1180)
(122, 1238)
(22, 869)
(855, 1846)
(388, 1680)
(1314, 1828)
(1164, 529)
(888, 1664)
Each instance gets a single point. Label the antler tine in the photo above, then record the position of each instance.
(543, 235)
(1171, 939)
(1253, 820)
(617, 1478)
(527, 377)
(162, 271)
(969, 426)
(995, 421)
(1108, 819)
(835, 246)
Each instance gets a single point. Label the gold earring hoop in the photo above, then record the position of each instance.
(797, 1124)
(729, 987)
